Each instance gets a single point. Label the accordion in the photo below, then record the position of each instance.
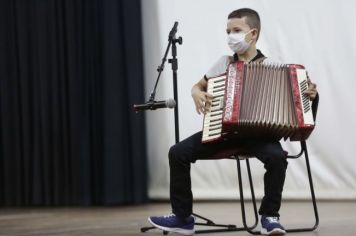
(259, 101)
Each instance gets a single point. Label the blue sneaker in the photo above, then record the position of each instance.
(271, 226)
(171, 223)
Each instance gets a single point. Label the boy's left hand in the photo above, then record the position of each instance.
(311, 91)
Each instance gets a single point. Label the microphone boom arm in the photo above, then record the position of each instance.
(151, 104)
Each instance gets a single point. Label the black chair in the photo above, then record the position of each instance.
(240, 155)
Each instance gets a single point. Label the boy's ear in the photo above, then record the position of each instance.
(254, 33)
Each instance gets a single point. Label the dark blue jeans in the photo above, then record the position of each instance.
(191, 149)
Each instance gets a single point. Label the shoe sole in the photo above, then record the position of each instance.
(273, 232)
(175, 230)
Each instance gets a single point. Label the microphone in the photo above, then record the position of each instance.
(173, 30)
(170, 103)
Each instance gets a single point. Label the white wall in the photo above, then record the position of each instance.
(319, 34)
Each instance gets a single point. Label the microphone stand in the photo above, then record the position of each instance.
(172, 41)
(174, 62)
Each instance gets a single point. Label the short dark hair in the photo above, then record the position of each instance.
(252, 18)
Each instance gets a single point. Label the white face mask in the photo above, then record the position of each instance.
(237, 42)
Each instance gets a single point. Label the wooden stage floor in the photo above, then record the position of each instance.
(337, 218)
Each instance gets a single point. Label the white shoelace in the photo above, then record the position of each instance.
(272, 219)
(168, 216)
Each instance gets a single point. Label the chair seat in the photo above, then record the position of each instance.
(232, 152)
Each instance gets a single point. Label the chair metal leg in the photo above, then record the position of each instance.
(252, 192)
(305, 150)
(249, 229)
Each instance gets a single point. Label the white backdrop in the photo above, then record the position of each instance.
(319, 34)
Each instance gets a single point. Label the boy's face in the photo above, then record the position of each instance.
(236, 25)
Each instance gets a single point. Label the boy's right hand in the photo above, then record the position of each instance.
(202, 101)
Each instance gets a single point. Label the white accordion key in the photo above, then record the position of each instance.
(305, 101)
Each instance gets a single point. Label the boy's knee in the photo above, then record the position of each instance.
(277, 160)
(175, 152)
(179, 153)
(172, 152)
